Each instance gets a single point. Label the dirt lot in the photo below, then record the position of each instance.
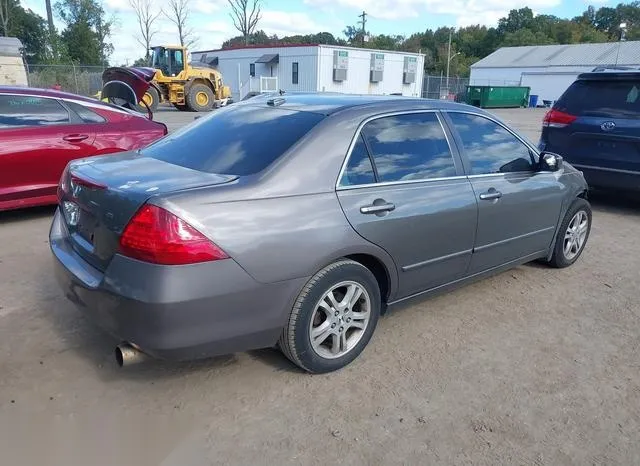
(534, 366)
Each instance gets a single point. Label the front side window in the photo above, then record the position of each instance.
(490, 147)
(237, 140)
(409, 147)
(22, 110)
(359, 169)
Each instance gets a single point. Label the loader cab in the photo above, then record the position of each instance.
(171, 61)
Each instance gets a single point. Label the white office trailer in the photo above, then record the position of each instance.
(549, 69)
(316, 68)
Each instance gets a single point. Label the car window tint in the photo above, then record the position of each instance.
(409, 147)
(22, 110)
(490, 147)
(85, 113)
(616, 99)
(236, 140)
(359, 169)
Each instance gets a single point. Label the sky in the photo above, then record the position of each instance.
(212, 24)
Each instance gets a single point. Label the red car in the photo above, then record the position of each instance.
(42, 130)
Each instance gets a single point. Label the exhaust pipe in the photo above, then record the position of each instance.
(127, 355)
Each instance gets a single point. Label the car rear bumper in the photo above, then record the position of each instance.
(602, 177)
(175, 312)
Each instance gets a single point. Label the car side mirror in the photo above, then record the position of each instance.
(550, 162)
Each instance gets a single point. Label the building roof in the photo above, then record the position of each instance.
(621, 53)
(284, 46)
(10, 47)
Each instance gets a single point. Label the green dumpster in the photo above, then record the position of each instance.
(498, 96)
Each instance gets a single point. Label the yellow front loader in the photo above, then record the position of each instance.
(170, 79)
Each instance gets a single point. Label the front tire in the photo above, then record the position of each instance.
(152, 99)
(200, 98)
(572, 235)
(333, 318)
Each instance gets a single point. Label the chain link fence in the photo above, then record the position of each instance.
(455, 88)
(82, 80)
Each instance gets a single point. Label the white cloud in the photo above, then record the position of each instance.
(283, 23)
(208, 7)
(465, 11)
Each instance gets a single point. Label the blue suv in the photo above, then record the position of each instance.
(595, 126)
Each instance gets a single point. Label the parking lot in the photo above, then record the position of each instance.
(533, 366)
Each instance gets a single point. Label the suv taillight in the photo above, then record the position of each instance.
(557, 119)
(156, 235)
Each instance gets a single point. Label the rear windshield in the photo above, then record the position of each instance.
(237, 140)
(618, 99)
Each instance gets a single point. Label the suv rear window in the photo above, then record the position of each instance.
(237, 140)
(617, 99)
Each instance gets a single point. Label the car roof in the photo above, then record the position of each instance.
(329, 103)
(45, 93)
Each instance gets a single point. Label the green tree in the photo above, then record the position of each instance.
(86, 31)
(16, 21)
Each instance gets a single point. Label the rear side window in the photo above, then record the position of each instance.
(409, 147)
(23, 110)
(238, 140)
(617, 99)
(359, 169)
(85, 113)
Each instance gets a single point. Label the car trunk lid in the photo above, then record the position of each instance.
(100, 195)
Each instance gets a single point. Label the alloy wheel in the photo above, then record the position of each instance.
(340, 320)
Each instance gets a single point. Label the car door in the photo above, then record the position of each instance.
(38, 137)
(403, 189)
(518, 205)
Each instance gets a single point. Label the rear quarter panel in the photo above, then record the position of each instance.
(281, 238)
(124, 132)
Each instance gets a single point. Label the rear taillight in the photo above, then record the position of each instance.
(70, 184)
(557, 119)
(156, 235)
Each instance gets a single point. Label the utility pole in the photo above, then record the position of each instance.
(364, 23)
(449, 58)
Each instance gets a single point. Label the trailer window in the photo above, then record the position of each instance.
(238, 140)
(294, 73)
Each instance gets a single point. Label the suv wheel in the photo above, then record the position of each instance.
(333, 318)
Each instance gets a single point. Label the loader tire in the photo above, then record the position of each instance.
(200, 98)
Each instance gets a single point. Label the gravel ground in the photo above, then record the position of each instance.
(533, 366)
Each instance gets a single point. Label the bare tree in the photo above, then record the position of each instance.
(245, 15)
(4, 16)
(146, 18)
(179, 13)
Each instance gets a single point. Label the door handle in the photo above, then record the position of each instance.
(75, 137)
(377, 208)
(491, 195)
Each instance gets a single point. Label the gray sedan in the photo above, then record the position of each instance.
(297, 220)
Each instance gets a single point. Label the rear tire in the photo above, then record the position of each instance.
(573, 234)
(200, 98)
(333, 318)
